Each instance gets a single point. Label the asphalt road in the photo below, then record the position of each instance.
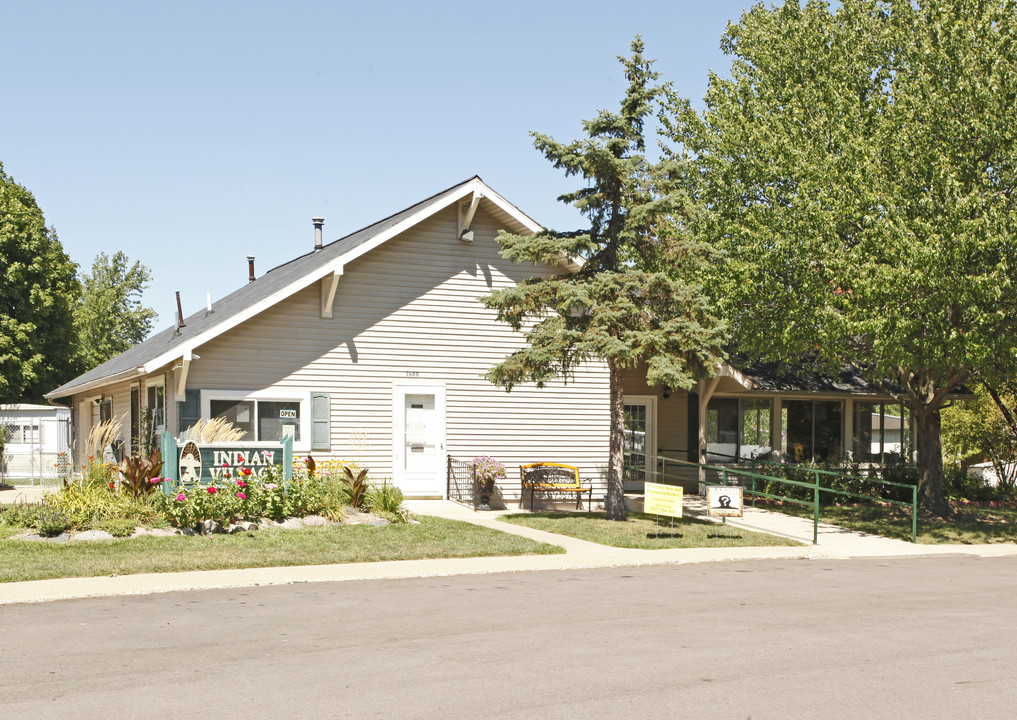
(908, 638)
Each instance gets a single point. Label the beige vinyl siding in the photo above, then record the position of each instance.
(672, 413)
(408, 312)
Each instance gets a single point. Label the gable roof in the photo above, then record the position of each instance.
(280, 283)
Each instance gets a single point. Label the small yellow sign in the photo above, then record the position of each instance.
(661, 499)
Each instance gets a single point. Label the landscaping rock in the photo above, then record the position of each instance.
(188, 531)
(315, 521)
(267, 523)
(93, 535)
(210, 527)
(292, 523)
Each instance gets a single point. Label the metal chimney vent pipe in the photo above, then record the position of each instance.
(250, 268)
(318, 222)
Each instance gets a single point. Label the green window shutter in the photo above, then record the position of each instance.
(321, 421)
(188, 411)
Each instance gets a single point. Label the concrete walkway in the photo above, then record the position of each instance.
(834, 543)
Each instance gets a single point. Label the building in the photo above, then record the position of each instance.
(36, 444)
(372, 348)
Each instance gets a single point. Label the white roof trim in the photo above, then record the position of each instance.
(84, 387)
(337, 264)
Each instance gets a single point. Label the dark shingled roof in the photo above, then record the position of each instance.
(271, 282)
(771, 377)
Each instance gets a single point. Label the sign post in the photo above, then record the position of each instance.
(724, 501)
(660, 499)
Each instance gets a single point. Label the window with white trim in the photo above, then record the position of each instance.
(262, 416)
(156, 405)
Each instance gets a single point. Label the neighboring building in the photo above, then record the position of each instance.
(36, 441)
(373, 348)
(370, 348)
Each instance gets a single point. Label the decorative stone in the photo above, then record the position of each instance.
(93, 535)
(315, 521)
(210, 527)
(292, 523)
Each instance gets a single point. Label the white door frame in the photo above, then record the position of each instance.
(650, 402)
(399, 392)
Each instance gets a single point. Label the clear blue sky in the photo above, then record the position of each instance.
(192, 134)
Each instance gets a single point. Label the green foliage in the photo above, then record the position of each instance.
(38, 291)
(140, 475)
(976, 431)
(20, 514)
(858, 167)
(357, 484)
(386, 500)
(52, 521)
(117, 527)
(92, 500)
(634, 298)
(110, 317)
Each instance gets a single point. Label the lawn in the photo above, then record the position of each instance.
(972, 526)
(644, 532)
(430, 538)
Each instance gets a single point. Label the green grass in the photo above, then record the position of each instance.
(430, 538)
(642, 531)
(972, 526)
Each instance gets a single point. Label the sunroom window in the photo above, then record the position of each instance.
(738, 429)
(882, 432)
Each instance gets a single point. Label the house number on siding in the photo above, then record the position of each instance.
(412, 373)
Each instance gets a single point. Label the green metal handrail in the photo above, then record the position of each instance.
(815, 486)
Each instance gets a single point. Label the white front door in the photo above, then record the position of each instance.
(640, 441)
(419, 440)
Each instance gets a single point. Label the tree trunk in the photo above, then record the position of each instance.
(930, 461)
(614, 501)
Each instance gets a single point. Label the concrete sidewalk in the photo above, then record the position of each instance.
(834, 542)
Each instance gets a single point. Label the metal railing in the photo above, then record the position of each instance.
(750, 480)
(461, 479)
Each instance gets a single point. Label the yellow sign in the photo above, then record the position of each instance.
(663, 499)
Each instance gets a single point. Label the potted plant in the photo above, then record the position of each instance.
(486, 471)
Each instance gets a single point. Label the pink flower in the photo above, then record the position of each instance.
(211, 490)
(241, 483)
(241, 496)
(155, 480)
(271, 486)
(225, 464)
(181, 497)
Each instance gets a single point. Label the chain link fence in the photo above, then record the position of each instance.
(35, 452)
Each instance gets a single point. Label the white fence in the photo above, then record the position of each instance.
(36, 453)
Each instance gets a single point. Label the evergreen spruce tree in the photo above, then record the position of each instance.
(633, 299)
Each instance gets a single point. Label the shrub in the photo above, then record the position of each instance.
(117, 527)
(92, 501)
(386, 500)
(20, 515)
(52, 521)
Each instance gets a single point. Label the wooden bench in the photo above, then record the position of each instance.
(553, 477)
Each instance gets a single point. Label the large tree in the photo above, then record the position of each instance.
(110, 317)
(633, 300)
(860, 164)
(38, 289)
